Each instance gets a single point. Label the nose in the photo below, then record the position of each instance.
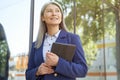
(54, 12)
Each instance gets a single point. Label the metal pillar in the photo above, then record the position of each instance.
(74, 2)
(104, 54)
(31, 26)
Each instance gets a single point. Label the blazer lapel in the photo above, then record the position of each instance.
(62, 38)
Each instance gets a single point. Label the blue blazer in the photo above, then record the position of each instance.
(65, 70)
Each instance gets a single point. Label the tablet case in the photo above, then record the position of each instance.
(65, 51)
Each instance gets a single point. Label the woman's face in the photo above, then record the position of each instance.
(52, 15)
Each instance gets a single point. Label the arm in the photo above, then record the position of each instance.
(32, 69)
(37, 71)
(76, 68)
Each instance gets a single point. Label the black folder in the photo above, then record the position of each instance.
(65, 51)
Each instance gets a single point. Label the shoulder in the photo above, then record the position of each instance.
(68, 33)
(33, 45)
(72, 35)
(72, 38)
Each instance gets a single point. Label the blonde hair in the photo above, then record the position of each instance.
(43, 28)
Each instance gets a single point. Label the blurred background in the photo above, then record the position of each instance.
(97, 22)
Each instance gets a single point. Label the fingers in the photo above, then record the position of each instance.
(47, 69)
(51, 59)
(48, 54)
(44, 69)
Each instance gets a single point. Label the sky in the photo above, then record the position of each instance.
(15, 18)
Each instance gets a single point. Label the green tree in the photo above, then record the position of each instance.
(94, 19)
(115, 6)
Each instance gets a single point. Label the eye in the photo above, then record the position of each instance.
(49, 11)
(57, 10)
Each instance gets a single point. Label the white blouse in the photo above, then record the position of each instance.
(49, 40)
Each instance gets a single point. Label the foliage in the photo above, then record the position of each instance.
(90, 48)
(94, 18)
(3, 57)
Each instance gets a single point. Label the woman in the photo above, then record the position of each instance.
(41, 60)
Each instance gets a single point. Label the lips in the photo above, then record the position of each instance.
(54, 18)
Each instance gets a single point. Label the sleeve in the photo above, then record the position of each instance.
(31, 70)
(78, 66)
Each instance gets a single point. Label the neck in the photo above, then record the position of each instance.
(52, 30)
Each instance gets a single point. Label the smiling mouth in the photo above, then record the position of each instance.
(54, 18)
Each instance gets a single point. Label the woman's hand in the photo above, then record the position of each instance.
(44, 69)
(51, 59)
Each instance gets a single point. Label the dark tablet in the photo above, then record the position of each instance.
(65, 51)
